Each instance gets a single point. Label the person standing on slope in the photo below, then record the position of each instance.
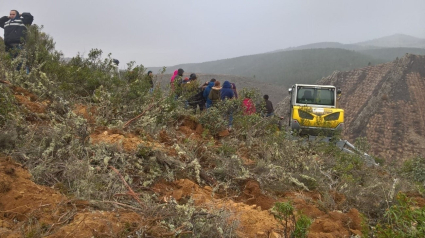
(227, 93)
(15, 29)
(207, 91)
(178, 80)
(248, 104)
(149, 79)
(269, 111)
(215, 94)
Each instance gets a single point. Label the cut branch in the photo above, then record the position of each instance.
(130, 191)
(138, 116)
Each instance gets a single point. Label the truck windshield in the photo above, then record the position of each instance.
(319, 96)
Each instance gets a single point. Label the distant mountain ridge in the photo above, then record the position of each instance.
(395, 41)
(283, 68)
(308, 63)
(324, 45)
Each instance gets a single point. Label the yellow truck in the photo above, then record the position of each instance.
(314, 111)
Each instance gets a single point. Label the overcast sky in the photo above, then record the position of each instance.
(169, 32)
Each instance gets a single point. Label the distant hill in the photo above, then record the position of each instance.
(283, 68)
(395, 41)
(324, 45)
(308, 63)
(390, 54)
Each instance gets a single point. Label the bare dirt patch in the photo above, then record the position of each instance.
(127, 141)
(29, 210)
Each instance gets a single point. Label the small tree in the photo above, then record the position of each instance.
(284, 212)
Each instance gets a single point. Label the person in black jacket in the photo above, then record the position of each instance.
(269, 111)
(15, 28)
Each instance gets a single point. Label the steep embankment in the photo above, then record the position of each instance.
(385, 104)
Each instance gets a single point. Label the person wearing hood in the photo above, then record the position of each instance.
(172, 79)
(226, 91)
(15, 28)
(178, 80)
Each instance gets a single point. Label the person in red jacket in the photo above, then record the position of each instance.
(248, 104)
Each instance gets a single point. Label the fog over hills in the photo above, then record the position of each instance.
(283, 68)
(393, 41)
(308, 63)
(397, 40)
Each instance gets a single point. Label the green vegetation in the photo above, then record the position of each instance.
(284, 212)
(403, 219)
(58, 145)
(415, 169)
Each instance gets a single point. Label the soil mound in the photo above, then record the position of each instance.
(29, 210)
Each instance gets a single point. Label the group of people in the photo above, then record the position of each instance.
(211, 93)
(205, 96)
(15, 29)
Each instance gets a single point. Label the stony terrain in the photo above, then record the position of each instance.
(385, 104)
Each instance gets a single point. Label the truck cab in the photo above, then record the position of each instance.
(313, 110)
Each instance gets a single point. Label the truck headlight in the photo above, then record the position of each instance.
(305, 115)
(332, 117)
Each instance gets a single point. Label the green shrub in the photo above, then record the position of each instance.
(301, 226)
(415, 169)
(7, 107)
(403, 220)
(284, 212)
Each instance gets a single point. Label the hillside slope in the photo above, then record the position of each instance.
(384, 103)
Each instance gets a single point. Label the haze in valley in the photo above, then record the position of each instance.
(165, 32)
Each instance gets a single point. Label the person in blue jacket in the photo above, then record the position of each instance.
(207, 91)
(227, 93)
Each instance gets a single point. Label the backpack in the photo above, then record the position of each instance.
(196, 99)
